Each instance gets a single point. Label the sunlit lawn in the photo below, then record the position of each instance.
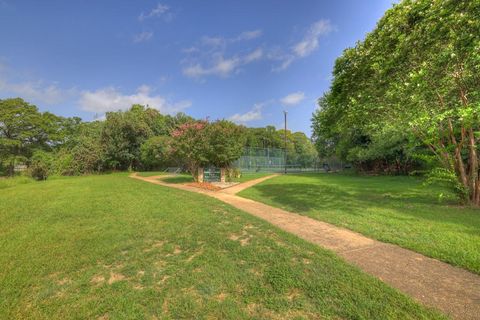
(118, 248)
(399, 210)
(186, 178)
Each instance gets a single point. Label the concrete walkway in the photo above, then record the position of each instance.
(452, 290)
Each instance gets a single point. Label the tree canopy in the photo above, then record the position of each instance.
(410, 91)
(139, 138)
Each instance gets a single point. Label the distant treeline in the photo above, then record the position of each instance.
(137, 139)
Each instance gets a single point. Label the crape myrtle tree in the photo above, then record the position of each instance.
(77, 147)
(137, 138)
(199, 143)
(190, 145)
(415, 77)
(226, 141)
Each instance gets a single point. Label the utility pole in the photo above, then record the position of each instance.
(285, 138)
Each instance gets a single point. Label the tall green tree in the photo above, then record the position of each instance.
(226, 142)
(124, 132)
(22, 130)
(417, 73)
(156, 152)
(305, 153)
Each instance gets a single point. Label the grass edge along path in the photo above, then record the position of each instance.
(432, 282)
(398, 210)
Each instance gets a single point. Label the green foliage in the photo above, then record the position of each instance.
(41, 165)
(156, 152)
(122, 135)
(138, 138)
(233, 174)
(23, 129)
(300, 149)
(64, 163)
(267, 137)
(88, 151)
(226, 141)
(446, 177)
(190, 145)
(124, 132)
(19, 131)
(417, 74)
(304, 153)
(200, 143)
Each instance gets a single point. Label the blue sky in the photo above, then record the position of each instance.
(241, 60)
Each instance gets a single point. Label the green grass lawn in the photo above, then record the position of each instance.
(11, 182)
(251, 176)
(399, 210)
(179, 178)
(151, 173)
(118, 248)
(186, 178)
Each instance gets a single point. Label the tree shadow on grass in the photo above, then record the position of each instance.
(410, 205)
(178, 179)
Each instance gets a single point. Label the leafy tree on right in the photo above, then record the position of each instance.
(414, 80)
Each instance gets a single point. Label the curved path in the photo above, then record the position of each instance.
(452, 290)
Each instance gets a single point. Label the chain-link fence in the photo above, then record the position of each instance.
(273, 160)
(261, 160)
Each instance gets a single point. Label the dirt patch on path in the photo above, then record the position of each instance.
(452, 290)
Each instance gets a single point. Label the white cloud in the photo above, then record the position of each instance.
(209, 56)
(213, 41)
(159, 10)
(248, 35)
(310, 41)
(221, 66)
(98, 101)
(305, 47)
(254, 114)
(111, 99)
(293, 98)
(143, 36)
(253, 56)
(34, 91)
(222, 41)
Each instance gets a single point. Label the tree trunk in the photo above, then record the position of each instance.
(11, 168)
(473, 172)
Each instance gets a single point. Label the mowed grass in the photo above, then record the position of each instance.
(11, 182)
(178, 178)
(151, 173)
(398, 210)
(251, 176)
(186, 178)
(118, 248)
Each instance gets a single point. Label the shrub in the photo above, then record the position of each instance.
(156, 152)
(64, 164)
(40, 165)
